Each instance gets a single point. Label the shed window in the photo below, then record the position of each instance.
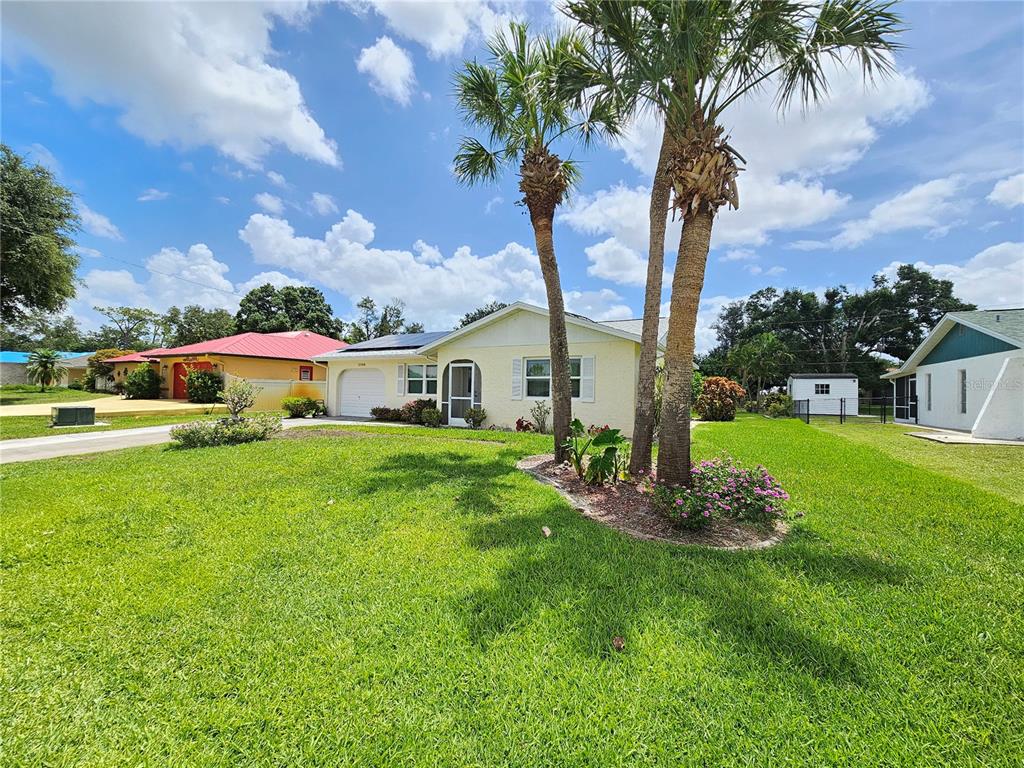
(305, 373)
(538, 376)
(422, 379)
(961, 376)
(822, 389)
(928, 391)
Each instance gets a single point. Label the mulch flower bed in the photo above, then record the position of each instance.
(624, 508)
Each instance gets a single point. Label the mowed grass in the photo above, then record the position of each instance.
(27, 394)
(998, 468)
(389, 599)
(15, 427)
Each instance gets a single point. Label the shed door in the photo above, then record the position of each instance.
(361, 390)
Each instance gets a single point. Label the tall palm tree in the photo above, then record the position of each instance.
(530, 95)
(694, 60)
(44, 368)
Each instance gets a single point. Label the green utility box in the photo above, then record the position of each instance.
(72, 416)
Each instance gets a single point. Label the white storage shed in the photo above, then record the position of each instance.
(824, 393)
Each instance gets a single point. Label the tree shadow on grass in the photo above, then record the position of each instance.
(604, 584)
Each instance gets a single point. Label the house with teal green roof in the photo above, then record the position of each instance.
(967, 375)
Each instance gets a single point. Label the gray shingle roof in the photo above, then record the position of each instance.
(397, 341)
(1007, 322)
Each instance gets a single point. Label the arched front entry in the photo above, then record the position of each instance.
(461, 389)
(178, 373)
(359, 390)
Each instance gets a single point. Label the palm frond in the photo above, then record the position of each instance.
(475, 163)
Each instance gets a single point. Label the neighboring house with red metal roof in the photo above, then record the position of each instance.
(279, 363)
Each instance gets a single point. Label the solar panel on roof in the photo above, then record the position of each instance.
(398, 341)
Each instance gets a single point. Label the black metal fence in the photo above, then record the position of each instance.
(884, 410)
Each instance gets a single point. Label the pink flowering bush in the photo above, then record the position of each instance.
(720, 489)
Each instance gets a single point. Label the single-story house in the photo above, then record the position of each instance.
(13, 367)
(280, 364)
(500, 362)
(967, 374)
(825, 393)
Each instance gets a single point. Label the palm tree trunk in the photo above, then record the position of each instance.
(643, 420)
(687, 283)
(561, 388)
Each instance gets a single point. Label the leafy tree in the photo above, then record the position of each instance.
(481, 312)
(693, 61)
(194, 324)
(39, 329)
(524, 100)
(44, 368)
(374, 323)
(37, 221)
(267, 309)
(131, 327)
(761, 360)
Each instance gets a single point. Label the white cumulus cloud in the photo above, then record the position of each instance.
(390, 70)
(269, 203)
(97, 224)
(993, 277)
(151, 194)
(1008, 192)
(935, 206)
(436, 289)
(441, 28)
(185, 74)
(323, 203)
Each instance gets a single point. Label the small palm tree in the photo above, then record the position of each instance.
(530, 95)
(692, 61)
(44, 368)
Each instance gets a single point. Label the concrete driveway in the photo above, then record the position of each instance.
(112, 406)
(54, 446)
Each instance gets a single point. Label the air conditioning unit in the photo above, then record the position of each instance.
(72, 416)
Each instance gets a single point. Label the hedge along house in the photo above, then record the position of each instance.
(967, 375)
(280, 364)
(500, 363)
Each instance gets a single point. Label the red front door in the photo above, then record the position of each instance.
(178, 374)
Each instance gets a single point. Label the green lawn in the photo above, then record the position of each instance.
(14, 427)
(26, 394)
(214, 607)
(998, 468)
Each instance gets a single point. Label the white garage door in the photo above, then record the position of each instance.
(361, 390)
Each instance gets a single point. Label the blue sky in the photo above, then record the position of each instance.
(215, 147)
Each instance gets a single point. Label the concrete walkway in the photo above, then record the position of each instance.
(112, 406)
(51, 447)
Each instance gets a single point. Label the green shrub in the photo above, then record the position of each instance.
(383, 413)
(475, 417)
(412, 411)
(239, 396)
(750, 406)
(142, 384)
(431, 417)
(76, 384)
(203, 386)
(717, 401)
(777, 405)
(204, 434)
(301, 407)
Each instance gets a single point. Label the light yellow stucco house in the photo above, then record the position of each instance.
(500, 362)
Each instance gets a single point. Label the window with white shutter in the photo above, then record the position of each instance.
(587, 379)
(400, 380)
(517, 378)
